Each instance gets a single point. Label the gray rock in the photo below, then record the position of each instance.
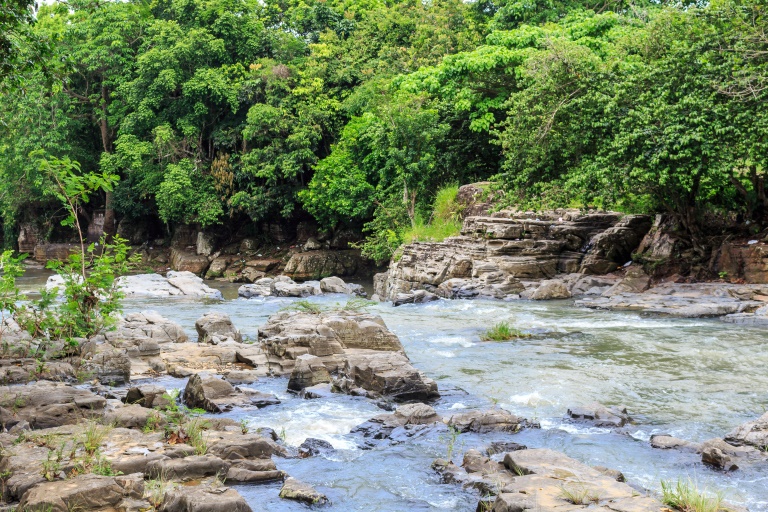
(309, 371)
(215, 328)
(204, 499)
(753, 433)
(600, 416)
(296, 490)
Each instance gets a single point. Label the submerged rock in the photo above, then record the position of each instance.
(600, 416)
(482, 422)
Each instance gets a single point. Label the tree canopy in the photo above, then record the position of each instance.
(355, 112)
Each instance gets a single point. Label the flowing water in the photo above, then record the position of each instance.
(692, 378)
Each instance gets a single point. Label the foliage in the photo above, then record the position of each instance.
(685, 495)
(445, 220)
(502, 331)
(578, 494)
(11, 269)
(304, 306)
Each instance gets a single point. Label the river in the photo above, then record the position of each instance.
(690, 378)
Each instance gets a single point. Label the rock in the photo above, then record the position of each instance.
(666, 442)
(45, 252)
(189, 468)
(309, 371)
(715, 457)
(218, 266)
(83, 492)
(551, 289)
(252, 471)
(388, 374)
(206, 244)
(516, 245)
(753, 433)
(177, 284)
(131, 416)
(318, 391)
(203, 498)
(333, 285)
(503, 447)
(408, 419)
(296, 490)
(188, 261)
(46, 404)
(635, 281)
(313, 245)
(291, 289)
(137, 328)
(417, 297)
(311, 447)
(318, 264)
(613, 247)
(216, 327)
(148, 395)
(481, 422)
(213, 394)
(600, 416)
(109, 366)
(260, 288)
(236, 377)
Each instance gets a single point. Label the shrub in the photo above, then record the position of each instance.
(685, 495)
(502, 331)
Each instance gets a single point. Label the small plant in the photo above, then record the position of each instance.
(93, 436)
(155, 490)
(450, 443)
(685, 495)
(196, 436)
(304, 306)
(723, 275)
(357, 304)
(283, 434)
(153, 422)
(52, 464)
(578, 494)
(502, 331)
(244, 426)
(103, 467)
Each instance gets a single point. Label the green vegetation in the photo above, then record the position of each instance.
(685, 495)
(228, 113)
(502, 331)
(578, 494)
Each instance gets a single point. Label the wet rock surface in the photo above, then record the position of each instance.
(175, 284)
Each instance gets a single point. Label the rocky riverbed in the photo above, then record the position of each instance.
(403, 408)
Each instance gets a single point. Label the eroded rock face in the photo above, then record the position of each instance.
(216, 327)
(494, 252)
(84, 492)
(318, 264)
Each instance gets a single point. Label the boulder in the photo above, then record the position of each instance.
(188, 261)
(752, 433)
(666, 442)
(309, 371)
(260, 288)
(291, 289)
(387, 374)
(600, 416)
(137, 328)
(323, 263)
(148, 395)
(215, 328)
(417, 297)
(204, 498)
(110, 366)
(215, 395)
(482, 422)
(296, 490)
(333, 285)
(311, 447)
(550, 290)
(613, 247)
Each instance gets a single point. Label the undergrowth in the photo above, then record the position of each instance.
(685, 496)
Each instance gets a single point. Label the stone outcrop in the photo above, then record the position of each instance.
(175, 284)
(204, 499)
(284, 286)
(215, 328)
(387, 374)
(84, 492)
(309, 371)
(493, 253)
(188, 261)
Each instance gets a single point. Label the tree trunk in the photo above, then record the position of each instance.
(110, 227)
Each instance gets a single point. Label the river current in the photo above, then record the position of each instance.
(691, 378)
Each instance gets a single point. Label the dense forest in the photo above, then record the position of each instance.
(226, 113)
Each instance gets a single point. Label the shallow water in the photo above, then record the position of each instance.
(691, 378)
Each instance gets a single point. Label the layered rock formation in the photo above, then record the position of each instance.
(495, 254)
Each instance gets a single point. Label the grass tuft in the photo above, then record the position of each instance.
(685, 495)
(303, 306)
(503, 331)
(578, 494)
(444, 222)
